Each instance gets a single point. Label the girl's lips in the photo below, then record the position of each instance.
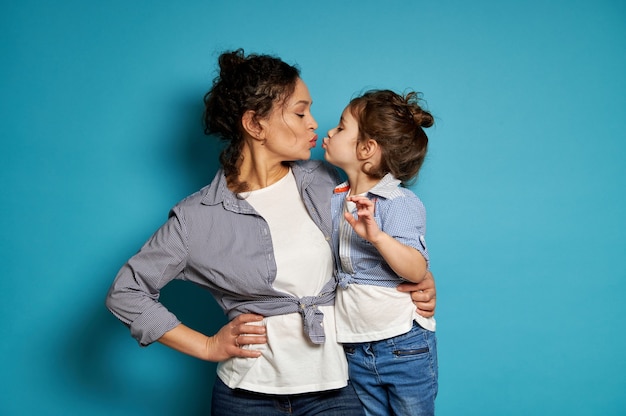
(313, 141)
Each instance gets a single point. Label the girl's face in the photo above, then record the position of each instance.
(341, 143)
(290, 127)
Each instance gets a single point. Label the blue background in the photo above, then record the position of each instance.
(524, 186)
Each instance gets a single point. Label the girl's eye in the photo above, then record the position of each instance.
(300, 115)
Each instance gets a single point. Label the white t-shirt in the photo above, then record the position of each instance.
(371, 313)
(291, 363)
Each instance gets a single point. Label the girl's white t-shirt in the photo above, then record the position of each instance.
(290, 362)
(367, 313)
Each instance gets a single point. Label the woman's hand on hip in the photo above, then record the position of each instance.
(228, 342)
(245, 329)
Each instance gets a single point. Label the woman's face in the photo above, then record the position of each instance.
(290, 127)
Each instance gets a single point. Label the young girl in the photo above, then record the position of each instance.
(378, 238)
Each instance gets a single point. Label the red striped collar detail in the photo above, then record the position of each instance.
(341, 189)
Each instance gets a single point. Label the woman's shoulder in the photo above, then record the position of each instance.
(310, 164)
(207, 195)
(318, 167)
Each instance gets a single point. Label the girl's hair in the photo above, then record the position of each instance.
(252, 82)
(396, 122)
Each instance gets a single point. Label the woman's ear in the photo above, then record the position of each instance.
(251, 125)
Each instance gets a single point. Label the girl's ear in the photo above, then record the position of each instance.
(367, 149)
(251, 125)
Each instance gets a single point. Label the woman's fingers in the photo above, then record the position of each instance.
(248, 329)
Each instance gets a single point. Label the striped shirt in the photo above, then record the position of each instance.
(398, 212)
(218, 241)
(368, 307)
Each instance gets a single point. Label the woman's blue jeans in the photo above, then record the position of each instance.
(396, 376)
(229, 402)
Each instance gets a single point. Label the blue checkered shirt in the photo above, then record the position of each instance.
(398, 212)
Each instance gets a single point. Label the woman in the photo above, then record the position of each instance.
(258, 239)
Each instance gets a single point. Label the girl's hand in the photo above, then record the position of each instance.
(365, 226)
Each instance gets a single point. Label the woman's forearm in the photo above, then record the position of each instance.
(226, 343)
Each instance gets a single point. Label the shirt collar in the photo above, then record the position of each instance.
(384, 188)
(218, 193)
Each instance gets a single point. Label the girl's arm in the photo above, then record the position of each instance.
(405, 261)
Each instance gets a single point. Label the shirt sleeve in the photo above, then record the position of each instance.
(405, 220)
(134, 295)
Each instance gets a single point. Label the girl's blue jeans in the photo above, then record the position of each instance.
(396, 376)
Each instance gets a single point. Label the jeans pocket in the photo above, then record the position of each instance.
(410, 352)
(412, 344)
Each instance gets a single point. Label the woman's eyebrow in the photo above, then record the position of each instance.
(305, 102)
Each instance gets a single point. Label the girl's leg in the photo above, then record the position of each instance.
(408, 367)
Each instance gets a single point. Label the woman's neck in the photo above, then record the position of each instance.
(259, 172)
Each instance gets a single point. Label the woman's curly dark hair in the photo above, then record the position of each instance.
(253, 82)
(397, 123)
